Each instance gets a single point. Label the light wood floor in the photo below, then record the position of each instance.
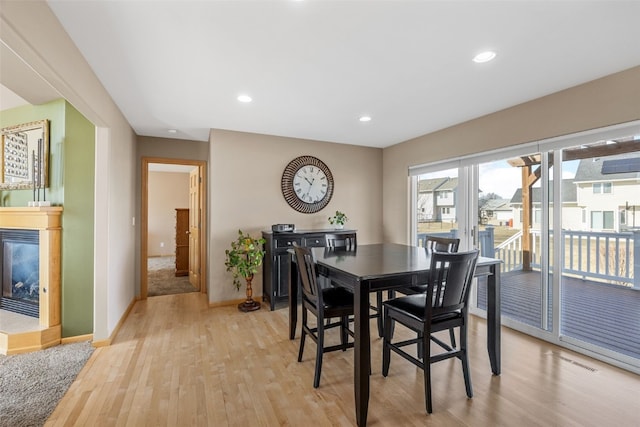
(177, 362)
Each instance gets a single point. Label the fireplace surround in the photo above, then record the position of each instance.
(30, 236)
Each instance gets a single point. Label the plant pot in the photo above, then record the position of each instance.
(339, 226)
(249, 304)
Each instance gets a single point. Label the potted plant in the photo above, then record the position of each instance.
(243, 260)
(338, 220)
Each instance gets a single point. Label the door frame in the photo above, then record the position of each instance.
(144, 219)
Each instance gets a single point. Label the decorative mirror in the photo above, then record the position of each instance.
(25, 156)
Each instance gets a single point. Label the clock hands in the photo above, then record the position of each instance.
(310, 186)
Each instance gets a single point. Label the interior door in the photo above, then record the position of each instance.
(194, 227)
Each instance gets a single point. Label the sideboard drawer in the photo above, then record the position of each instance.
(314, 241)
(287, 242)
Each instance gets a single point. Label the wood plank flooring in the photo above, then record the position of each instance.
(177, 362)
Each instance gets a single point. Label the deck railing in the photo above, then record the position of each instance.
(601, 256)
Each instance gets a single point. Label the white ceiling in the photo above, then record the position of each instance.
(313, 67)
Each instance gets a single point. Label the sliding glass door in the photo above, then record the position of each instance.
(437, 204)
(510, 222)
(563, 216)
(600, 287)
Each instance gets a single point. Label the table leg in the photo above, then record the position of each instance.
(362, 353)
(493, 318)
(293, 299)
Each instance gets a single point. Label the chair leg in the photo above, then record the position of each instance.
(452, 335)
(319, 351)
(379, 319)
(426, 351)
(303, 335)
(466, 371)
(344, 324)
(419, 350)
(386, 341)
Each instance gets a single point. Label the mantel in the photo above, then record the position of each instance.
(48, 221)
(32, 218)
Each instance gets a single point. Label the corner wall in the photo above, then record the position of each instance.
(49, 55)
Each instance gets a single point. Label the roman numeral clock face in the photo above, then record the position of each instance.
(307, 184)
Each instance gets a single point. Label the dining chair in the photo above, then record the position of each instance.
(433, 244)
(349, 242)
(346, 241)
(441, 244)
(443, 306)
(324, 303)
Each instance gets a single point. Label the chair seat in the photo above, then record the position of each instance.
(337, 298)
(414, 305)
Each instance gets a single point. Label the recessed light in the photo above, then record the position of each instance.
(484, 57)
(244, 98)
(365, 119)
(172, 131)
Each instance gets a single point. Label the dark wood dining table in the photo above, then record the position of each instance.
(387, 266)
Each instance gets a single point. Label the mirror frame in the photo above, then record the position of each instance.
(20, 143)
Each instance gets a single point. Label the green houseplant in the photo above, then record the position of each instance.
(338, 219)
(243, 260)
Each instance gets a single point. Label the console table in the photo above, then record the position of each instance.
(275, 268)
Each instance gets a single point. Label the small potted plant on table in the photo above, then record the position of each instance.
(243, 260)
(338, 220)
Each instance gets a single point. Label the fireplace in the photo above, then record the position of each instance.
(20, 268)
(30, 250)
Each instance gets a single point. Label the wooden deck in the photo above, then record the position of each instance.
(604, 315)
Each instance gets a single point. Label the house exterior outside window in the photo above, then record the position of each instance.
(602, 220)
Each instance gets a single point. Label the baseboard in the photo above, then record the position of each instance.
(108, 341)
(77, 338)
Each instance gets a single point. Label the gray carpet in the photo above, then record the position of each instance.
(32, 384)
(161, 278)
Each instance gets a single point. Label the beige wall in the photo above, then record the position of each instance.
(167, 191)
(607, 101)
(245, 174)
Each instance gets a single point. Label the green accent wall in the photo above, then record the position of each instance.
(71, 185)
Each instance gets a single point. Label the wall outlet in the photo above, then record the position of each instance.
(162, 244)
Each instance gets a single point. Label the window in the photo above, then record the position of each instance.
(537, 216)
(602, 220)
(601, 187)
(584, 216)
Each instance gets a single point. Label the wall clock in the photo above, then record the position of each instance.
(307, 184)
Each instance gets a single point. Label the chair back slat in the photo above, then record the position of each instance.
(307, 271)
(450, 276)
(441, 244)
(346, 241)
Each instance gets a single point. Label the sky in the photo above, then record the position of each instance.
(501, 178)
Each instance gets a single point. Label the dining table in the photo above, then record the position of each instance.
(387, 266)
